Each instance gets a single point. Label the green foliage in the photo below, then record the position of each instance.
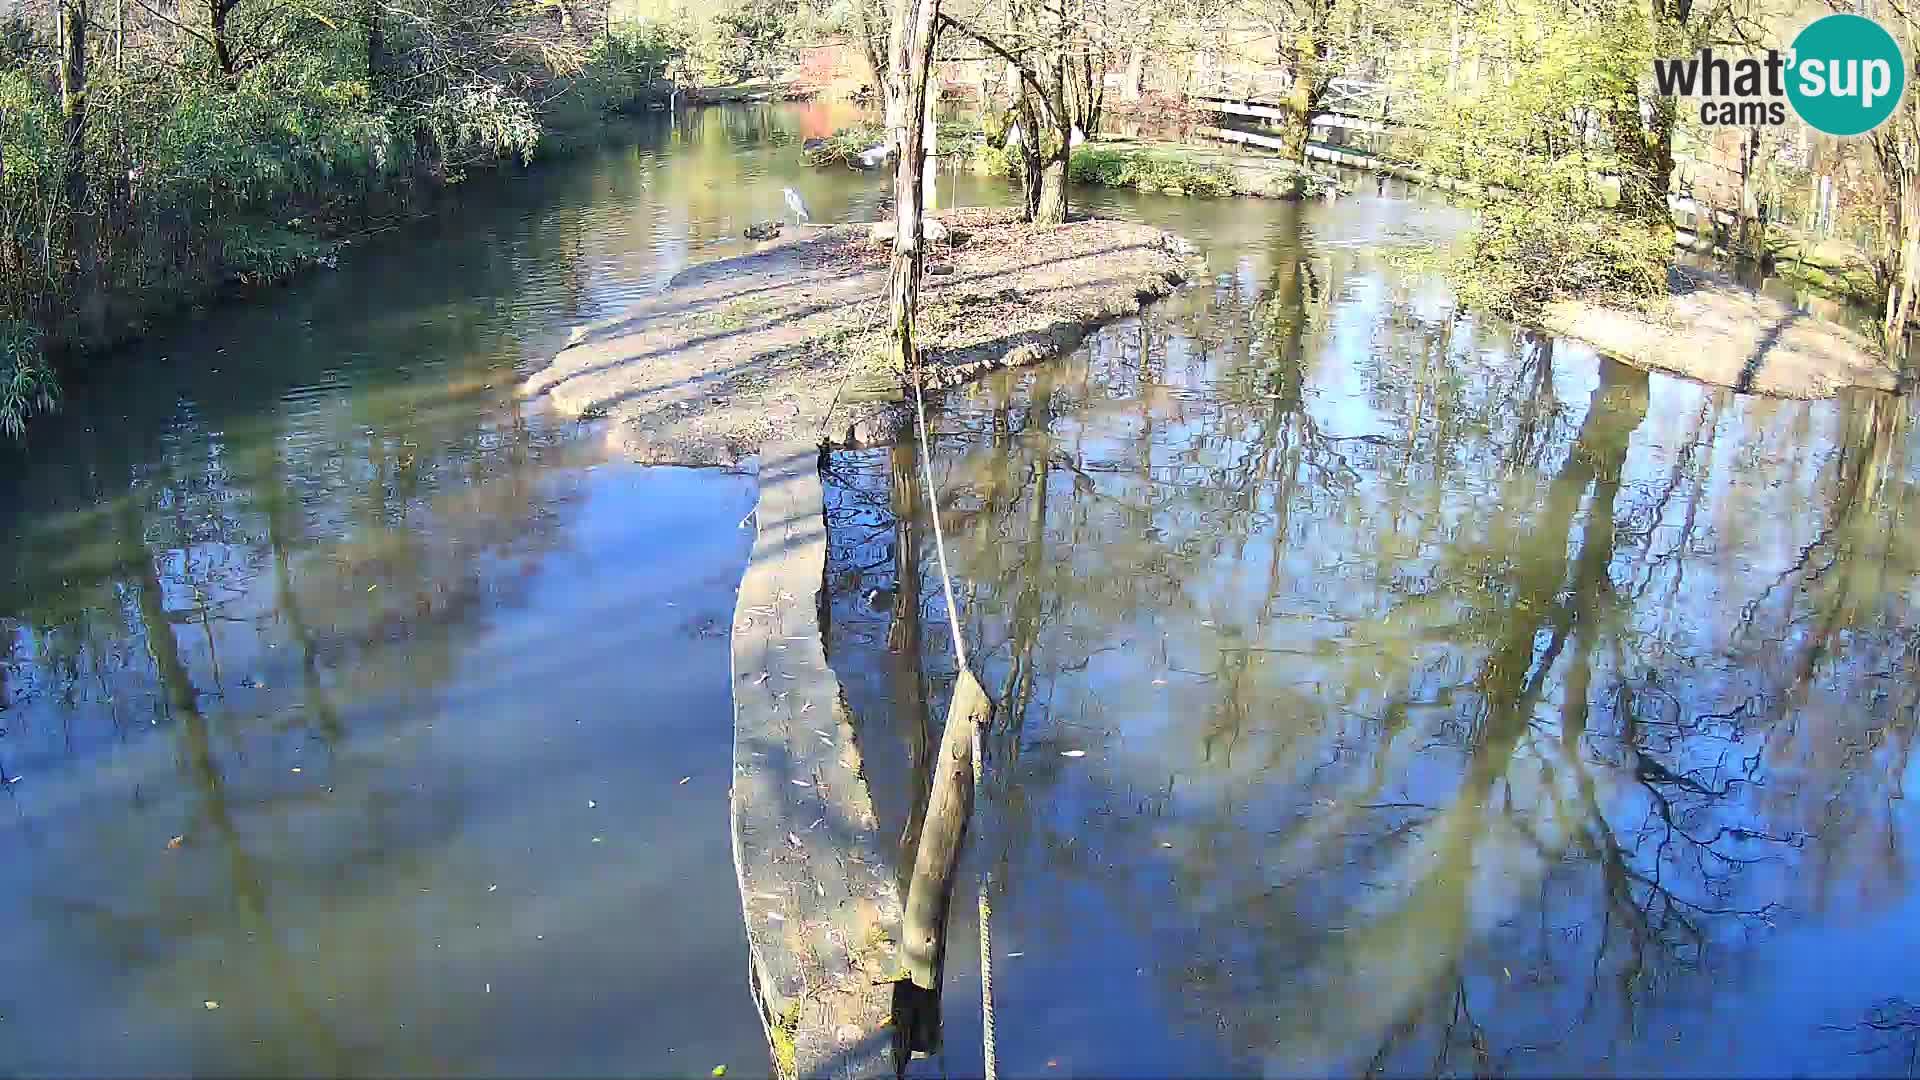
(750, 39)
(992, 160)
(1528, 252)
(26, 386)
(1147, 170)
(631, 58)
(280, 129)
(192, 182)
(1546, 144)
(621, 73)
(258, 254)
(481, 124)
(30, 184)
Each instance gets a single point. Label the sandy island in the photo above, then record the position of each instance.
(786, 343)
(1713, 330)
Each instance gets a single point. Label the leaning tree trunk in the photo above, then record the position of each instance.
(1029, 127)
(913, 33)
(870, 20)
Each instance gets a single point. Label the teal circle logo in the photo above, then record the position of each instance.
(1846, 75)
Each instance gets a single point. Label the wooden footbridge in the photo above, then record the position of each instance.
(1347, 105)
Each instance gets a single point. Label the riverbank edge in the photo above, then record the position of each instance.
(818, 895)
(410, 200)
(756, 356)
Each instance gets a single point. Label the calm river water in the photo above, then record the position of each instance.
(1382, 689)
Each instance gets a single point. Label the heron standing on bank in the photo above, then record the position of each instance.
(798, 208)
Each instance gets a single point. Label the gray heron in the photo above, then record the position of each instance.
(794, 204)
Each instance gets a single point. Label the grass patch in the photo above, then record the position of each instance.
(1148, 170)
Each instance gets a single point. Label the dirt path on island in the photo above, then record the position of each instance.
(787, 343)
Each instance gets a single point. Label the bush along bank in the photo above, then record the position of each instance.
(129, 191)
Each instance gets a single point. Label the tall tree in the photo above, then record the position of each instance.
(871, 23)
(1035, 45)
(1303, 33)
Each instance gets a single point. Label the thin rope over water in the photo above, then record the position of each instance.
(960, 658)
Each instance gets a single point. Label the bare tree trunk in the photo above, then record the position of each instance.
(217, 12)
(915, 22)
(1753, 236)
(1647, 150)
(1136, 73)
(1054, 143)
(1029, 123)
(1052, 206)
(73, 110)
(376, 46)
(871, 23)
(1303, 96)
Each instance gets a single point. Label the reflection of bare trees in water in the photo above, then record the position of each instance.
(334, 582)
(1889, 1033)
(1511, 746)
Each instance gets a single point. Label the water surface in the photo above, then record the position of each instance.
(1385, 690)
(1445, 698)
